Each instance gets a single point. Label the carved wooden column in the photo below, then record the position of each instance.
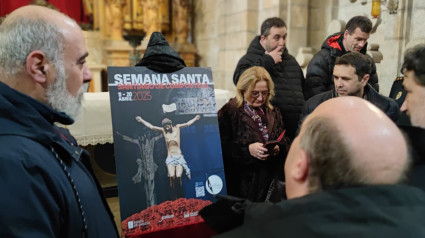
(181, 21)
(186, 50)
(116, 48)
(151, 17)
(114, 18)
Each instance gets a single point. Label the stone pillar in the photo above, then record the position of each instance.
(95, 59)
(295, 14)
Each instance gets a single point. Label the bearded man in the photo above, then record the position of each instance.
(51, 190)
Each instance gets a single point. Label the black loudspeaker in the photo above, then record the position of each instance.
(103, 162)
(104, 157)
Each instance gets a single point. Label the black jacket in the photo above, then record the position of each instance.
(288, 80)
(390, 211)
(398, 93)
(320, 69)
(246, 176)
(387, 105)
(416, 137)
(39, 198)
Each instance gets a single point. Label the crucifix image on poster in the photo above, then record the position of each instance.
(145, 163)
(180, 106)
(175, 161)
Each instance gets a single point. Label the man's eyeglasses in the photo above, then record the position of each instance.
(256, 94)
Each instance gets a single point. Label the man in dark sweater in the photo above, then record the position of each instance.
(320, 68)
(414, 82)
(351, 76)
(268, 50)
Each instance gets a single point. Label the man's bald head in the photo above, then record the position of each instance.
(38, 12)
(31, 28)
(346, 141)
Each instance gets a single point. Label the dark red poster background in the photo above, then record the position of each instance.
(73, 9)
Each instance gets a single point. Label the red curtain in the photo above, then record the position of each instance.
(73, 9)
(7, 6)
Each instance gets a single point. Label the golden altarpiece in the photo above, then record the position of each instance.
(113, 19)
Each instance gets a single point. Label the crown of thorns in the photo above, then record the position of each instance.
(166, 121)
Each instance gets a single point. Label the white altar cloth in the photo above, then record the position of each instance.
(94, 125)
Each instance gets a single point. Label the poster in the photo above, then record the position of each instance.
(167, 146)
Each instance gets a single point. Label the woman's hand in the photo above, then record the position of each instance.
(258, 151)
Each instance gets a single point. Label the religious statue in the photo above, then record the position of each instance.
(181, 21)
(127, 12)
(151, 17)
(114, 18)
(165, 16)
(137, 15)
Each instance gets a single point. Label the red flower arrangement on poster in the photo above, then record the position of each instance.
(169, 214)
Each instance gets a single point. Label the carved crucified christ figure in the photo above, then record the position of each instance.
(175, 161)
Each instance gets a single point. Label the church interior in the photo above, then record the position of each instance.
(216, 34)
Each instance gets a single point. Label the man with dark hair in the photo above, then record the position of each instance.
(320, 68)
(413, 69)
(268, 50)
(340, 182)
(351, 75)
(49, 186)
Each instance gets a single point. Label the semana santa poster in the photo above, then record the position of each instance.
(167, 146)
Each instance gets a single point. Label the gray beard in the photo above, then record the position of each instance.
(60, 99)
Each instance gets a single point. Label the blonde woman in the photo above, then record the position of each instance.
(246, 123)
